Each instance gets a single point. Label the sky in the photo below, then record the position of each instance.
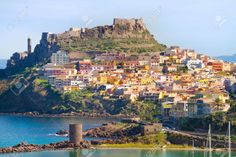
(207, 26)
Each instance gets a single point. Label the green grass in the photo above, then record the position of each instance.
(40, 81)
(127, 145)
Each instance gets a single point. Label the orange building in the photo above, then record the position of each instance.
(216, 66)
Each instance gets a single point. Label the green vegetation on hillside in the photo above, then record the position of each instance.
(41, 97)
(159, 139)
(88, 101)
(136, 45)
(219, 122)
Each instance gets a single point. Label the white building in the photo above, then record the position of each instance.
(60, 57)
(194, 64)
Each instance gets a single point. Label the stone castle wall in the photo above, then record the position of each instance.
(121, 28)
(132, 23)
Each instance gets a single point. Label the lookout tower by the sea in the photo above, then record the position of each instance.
(76, 133)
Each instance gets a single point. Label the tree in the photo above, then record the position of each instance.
(218, 103)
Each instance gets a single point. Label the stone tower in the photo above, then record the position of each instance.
(29, 45)
(76, 133)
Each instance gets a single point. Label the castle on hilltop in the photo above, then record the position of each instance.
(130, 22)
(120, 28)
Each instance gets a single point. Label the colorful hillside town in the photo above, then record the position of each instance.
(185, 83)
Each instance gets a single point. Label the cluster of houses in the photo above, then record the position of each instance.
(183, 82)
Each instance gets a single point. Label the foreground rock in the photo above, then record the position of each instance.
(24, 147)
(63, 133)
(114, 131)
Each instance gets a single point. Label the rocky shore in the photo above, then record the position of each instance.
(111, 130)
(24, 147)
(123, 133)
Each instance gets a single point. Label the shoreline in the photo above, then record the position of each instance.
(66, 115)
(25, 147)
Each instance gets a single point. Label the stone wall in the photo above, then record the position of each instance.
(121, 28)
(131, 23)
(151, 129)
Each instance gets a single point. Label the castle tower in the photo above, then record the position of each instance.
(29, 45)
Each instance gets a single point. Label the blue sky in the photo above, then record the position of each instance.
(208, 26)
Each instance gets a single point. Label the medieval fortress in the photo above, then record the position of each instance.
(121, 28)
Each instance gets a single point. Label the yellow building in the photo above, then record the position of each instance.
(223, 98)
(71, 88)
(176, 77)
(102, 79)
(146, 80)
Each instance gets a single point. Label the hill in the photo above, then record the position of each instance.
(40, 97)
(124, 35)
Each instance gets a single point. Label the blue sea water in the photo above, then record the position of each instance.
(39, 130)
